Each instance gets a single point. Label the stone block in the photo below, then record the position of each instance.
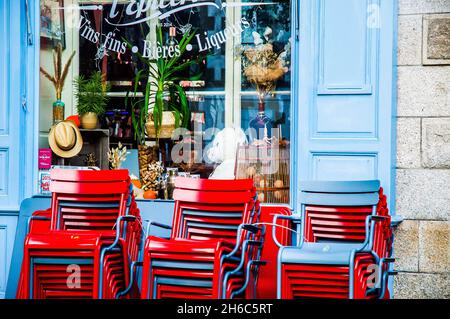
(436, 142)
(423, 194)
(421, 286)
(424, 91)
(406, 246)
(434, 246)
(423, 6)
(409, 40)
(408, 142)
(436, 39)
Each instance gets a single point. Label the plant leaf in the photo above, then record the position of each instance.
(184, 105)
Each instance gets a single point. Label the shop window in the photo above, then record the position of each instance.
(235, 73)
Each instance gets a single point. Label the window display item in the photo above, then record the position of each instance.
(44, 182)
(118, 121)
(165, 77)
(268, 166)
(148, 155)
(261, 127)
(91, 96)
(151, 176)
(172, 173)
(45, 158)
(75, 119)
(171, 40)
(58, 80)
(263, 67)
(94, 141)
(223, 151)
(65, 139)
(90, 160)
(58, 111)
(117, 156)
(166, 127)
(150, 194)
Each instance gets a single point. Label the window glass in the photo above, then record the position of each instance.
(202, 86)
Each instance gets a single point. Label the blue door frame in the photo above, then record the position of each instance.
(330, 138)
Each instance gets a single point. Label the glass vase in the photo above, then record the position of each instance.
(58, 111)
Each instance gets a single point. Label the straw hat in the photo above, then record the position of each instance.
(65, 139)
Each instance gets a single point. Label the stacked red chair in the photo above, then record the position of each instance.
(267, 285)
(84, 245)
(214, 247)
(343, 243)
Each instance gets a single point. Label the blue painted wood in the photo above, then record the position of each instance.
(345, 88)
(10, 104)
(7, 230)
(343, 165)
(362, 186)
(12, 114)
(158, 211)
(362, 199)
(30, 88)
(350, 42)
(298, 28)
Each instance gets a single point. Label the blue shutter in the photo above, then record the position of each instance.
(345, 101)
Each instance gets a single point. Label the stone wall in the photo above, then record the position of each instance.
(423, 150)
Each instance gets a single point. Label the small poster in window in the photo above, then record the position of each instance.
(52, 23)
(44, 182)
(45, 158)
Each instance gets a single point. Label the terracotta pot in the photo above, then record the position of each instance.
(167, 125)
(89, 120)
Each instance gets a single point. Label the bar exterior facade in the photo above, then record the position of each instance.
(349, 90)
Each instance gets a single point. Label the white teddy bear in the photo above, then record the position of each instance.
(223, 150)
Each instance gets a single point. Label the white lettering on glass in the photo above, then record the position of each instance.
(207, 42)
(154, 50)
(137, 9)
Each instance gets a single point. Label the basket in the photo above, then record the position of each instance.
(167, 126)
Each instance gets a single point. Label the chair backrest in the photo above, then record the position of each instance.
(88, 200)
(212, 209)
(337, 211)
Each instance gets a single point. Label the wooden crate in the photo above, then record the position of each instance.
(94, 141)
(269, 167)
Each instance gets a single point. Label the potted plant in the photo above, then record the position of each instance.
(162, 92)
(91, 96)
(162, 105)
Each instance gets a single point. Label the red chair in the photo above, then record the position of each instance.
(94, 225)
(213, 247)
(266, 285)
